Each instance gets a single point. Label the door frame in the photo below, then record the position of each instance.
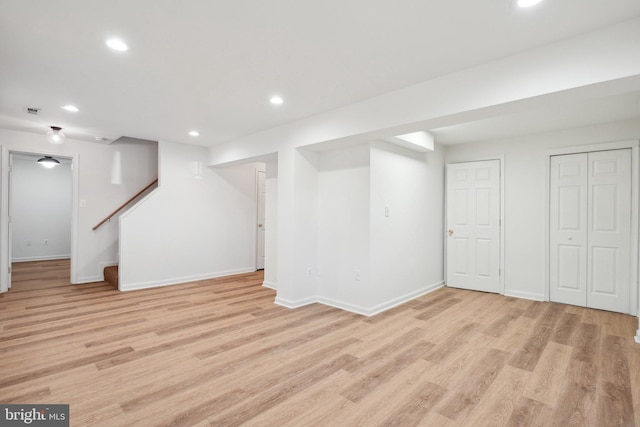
(258, 224)
(634, 145)
(5, 262)
(500, 159)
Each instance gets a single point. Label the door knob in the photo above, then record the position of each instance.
(450, 232)
(260, 225)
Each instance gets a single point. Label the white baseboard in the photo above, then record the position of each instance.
(270, 285)
(524, 295)
(354, 308)
(184, 279)
(41, 258)
(89, 279)
(376, 309)
(295, 304)
(638, 336)
(405, 298)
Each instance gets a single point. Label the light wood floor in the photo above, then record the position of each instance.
(219, 352)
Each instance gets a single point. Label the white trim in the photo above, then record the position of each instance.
(181, 280)
(353, 308)
(358, 309)
(501, 160)
(295, 304)
(376, 309)
(89, 279)
(42, 258)
(525, 295)
(4, 212)
(4, 220)
(258, 171)
(634, 145)
(270, 285)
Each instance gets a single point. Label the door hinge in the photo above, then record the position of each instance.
(499, 272)
(9, 270)
(10, 219)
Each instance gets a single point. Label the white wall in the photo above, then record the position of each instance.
(406, 246)
(524, 194)
(271, 224)
(343, 227)
(337, 247)
(191, 227)
(40, 209)
(92, 184)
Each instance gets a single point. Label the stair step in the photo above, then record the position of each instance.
(111, 275)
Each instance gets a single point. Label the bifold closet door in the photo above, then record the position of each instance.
(609, 240)
(568, 229)
(590, 229)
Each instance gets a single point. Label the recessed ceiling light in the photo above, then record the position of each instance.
(527, 3)
(117, 44)
(71, 108)
(276, 100)
(194, 133)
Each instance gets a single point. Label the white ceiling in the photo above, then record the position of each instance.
(213, 65)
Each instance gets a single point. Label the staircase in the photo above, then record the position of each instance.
(111, 275)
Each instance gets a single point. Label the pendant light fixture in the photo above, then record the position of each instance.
(55, 135)
(48, 162)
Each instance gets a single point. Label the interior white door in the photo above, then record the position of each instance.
(9, 232)
(568, 229)
(473, 225)
(590, 229)
(609, 246)
(261, 223)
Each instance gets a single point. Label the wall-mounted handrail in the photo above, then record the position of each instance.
(122, 206)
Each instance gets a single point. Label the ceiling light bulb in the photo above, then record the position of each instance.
(527, 3)
(55, 135)
(117, 44)
(194, 133)
(48, 162)
(71, 108)
(276, 100)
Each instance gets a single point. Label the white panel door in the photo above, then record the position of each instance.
(473, 225)
(568, 229)
(590, 229)
(9, 231)
(609, 248)
(261, 224)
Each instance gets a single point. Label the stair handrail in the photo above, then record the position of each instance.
(122, 206)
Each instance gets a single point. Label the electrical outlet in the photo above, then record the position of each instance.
(28, 242)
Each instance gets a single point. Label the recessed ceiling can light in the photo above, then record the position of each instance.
(117, 44)
(71, 108)
(527, 3)
(276, 100)
(194, 133)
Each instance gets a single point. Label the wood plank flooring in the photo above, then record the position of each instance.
(219, 352)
